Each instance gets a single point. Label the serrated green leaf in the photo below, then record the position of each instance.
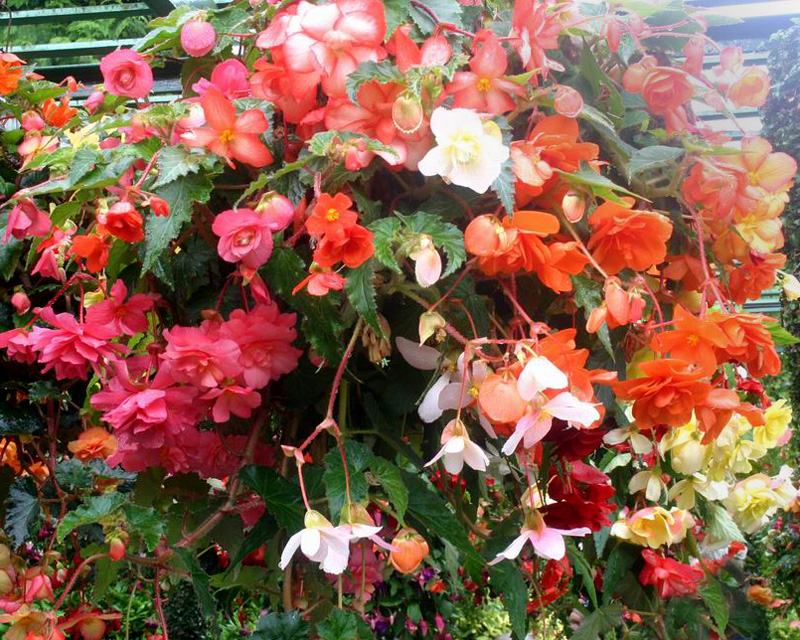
(445, 236)
(73, 475)
(651, 158)
(201, 583)
(388, 475)
(10, 253)
(106, 571)
(321, 143)
(721, 526)
(620, 560)
(397, 12)
(503, 186)
(181, 195)
(64, 212)
(599, 622)
(18, 421)
(714, 598)
(281, 626)
(359, 456)
(344, 625)
(507, 581)
(385, 231)
(382, 72)
(175, 162)
(281, 497)
(599, 185)
(94, 509)
(83, 163)
(145, 521)
(449, 11)
(361, 293)
(22, 510)
(264, 529)
(780, 336)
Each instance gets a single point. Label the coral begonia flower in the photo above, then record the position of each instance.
(122, 221)
(94, 443)
(624, 237)
(229, 136)
(538, 24)
(354, 248)
(482, 87)
(331, 216)
(320, 283)
(670, 577)
(693, 339)
(93, 249)
(58, 114)
(765, 169)
(667, 394)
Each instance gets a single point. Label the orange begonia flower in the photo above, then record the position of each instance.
(10, 72)
(757, 274)
(750, 343)
(94, 249)
(667, 394)
(624, 237)
(693, 339)
(94, 443)
(58, 114)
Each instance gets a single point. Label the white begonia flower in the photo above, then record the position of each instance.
(467, 152)
(458, 448)
(320, 542)
(640, 443)
(650, 481)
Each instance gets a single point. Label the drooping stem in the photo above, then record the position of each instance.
(159, 608)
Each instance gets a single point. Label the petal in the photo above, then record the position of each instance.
(454, 462)
(219, 111)
(288, 551)
(435, 163)
(429, 409)
(475, 457)
(567, 407)
(514, 549)
(418, 356)
(539, 374)
(549, 544)
(252, 121)
(249, 149)
(310, 541)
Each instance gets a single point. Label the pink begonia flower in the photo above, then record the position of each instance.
(537, 24)
(229, 78)
(71, 345)
(264, 337)
(458, 448)
(26, 220)
(483, 87)
(16, 342)
(32, 146)
(457, 394)
(547, 542)
(539, 375)
(232, 399)
(124, 317)
(295, 94)
(197, 37)
(330, 39)
(277, 210)
(126, 73)
(194, 357)
(21, 302)
(434, 52)
(244, 236)
(47, 266)
(320, 542)
(38, 586)
(94, 100)
(32, 121)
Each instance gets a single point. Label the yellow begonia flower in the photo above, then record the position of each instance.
(653, 526)
(688, 455)
(777, 418)
(754, 500)
(685, 491)
(84, 137)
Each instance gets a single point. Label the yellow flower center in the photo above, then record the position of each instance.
(753, 178)
(693, 340)
(483, 85)
(465, 148)
(332, 215)
(226, 136)
(473, 391)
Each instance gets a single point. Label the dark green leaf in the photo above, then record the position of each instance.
(361, 293)
(620, 560)
(106, 571)
(82, 164)
(344, 625)
(397, 12)
(18, 421)
(445, 236)
(145, 521)
(264, 529)
(174, 163)
(650, 158)
(94, 509)
(385, 231)
(22, 510)
(65, 211)
(582, 567)
(712, 595)
(73, 475)
(281, 626)
(683, 612)
(10, 253)
(282, 498)
(507, 581)
(445, 10)
(503, 186)
(599, 622)
(321, 144)
(201, 584)
(359, 456)
(388, 475)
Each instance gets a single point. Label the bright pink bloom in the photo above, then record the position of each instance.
(126, 73)
(244, 236)
(229, 136)
(330, 39)
(195, 357)
(265, 337)
(228, 77)
(47, 266)
(38, 586)
(71, 345)
(94, 100)
(26, 220)
(32, 121)
(16, 342)
(483, 87)
(277, 210)
(124, 317)
(232, 399)
(295, 94)
(197, 37)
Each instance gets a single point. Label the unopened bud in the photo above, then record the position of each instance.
(568, 102)
(574, 206)
(430, 323)
(407, 114)
(276, 209)
(116, 549)
(21, 302)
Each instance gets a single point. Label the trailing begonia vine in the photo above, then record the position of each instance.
(397, 306)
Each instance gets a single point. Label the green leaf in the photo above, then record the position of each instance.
(106, 571)
(597, 79)
(281, 626)
(181, 195)
(264, 529)
(683, 612)
(22, 510)
(361, 293)
(176, 162)
(359, 456)
(445, 236)
(721, 526)
(620, 560)
(10, 253)
(714, 598)
(508, 582)
(94, 509)
(650, 158)
(383, 71)
(73, 475)
(582, 567)
(83, 163)
(397, 12)
(780, 336)
(599, 185)
(598, 622)
(147, 522)
(344, 625)
(588, 296)
(19, 421)
(445, 10)
(201, 583)
(282, 498)
(65, 211)
(388, 475)
(503, 186)
(385, 231)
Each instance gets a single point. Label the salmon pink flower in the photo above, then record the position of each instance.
(427, 262)
(197, 37)
(692, 339)
(16, 342)
(124, 317)
(547, 542)
(467, 153)
(228, 135)
(321, 282)
(567, 102)
(295, 94)
(435, 51)
(320, 542)
(126, 73)
(751, 89)
(483, 87)
(245, 236)
(232, 399)
(331, 39)
(277, 210)
(195, 357)
(32, 146)
(458, 448)
(26, 220)
(10, 73)
(666, 89)
(537, 24)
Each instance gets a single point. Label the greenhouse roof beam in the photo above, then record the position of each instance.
(48, 16)
(71, 49)
(160, 7)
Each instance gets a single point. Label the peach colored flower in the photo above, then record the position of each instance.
(94, 443)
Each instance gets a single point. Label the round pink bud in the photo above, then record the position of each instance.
(198, 37)
(94, 100)
(32, 121)
(21, 302)
(277, 210)
(568, 102)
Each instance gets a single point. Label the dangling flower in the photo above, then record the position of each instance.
(468, 153)
(458, 448)
(649, 479)
(320, 542)
(125, 317)
(428, 262)
(94, 443)
(547, 542)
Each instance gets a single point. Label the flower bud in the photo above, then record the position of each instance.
(198, 37)
(94, 100)
(407, 114)
(597, 319)
(277, 210)
(21, 302)
(159, 206)
(428, 263)
(430, 322)
(410, 549)
(31, 121)
(613, 32)
(116, 549)
(574, 206)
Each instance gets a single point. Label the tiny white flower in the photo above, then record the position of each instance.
(467, 153)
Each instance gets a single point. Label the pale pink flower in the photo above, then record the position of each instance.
(232, 399)
(427, 262)
(244, 236)
(72, 345)
(124, 317)
(458, 449)
(320, 542)
(427, 359)
(547, 542)
(26, 220)
(197, 358)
